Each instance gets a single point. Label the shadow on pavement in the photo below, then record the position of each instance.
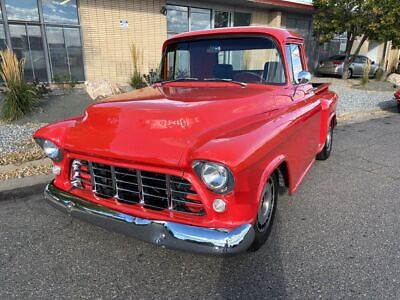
(258, 273)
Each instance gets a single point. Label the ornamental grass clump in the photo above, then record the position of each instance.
(19, 97)
(137, 81)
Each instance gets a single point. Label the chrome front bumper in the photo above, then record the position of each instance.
(169, 234)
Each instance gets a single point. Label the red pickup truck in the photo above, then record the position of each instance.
(197, 160)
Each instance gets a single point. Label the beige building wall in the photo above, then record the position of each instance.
(393, 59)
(107, 45)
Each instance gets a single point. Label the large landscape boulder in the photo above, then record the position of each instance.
(395, 79)
(99, 90)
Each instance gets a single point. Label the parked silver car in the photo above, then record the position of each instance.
(334, 66)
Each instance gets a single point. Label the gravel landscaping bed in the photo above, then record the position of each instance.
(353, 98)
(13, 137)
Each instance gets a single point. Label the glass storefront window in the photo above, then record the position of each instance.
(74, 47)
(200, 19)
(24, 10)
(58, 53)
(3, 44)
(65, 53)
(241, 19)
(60, 11)
(177, 19)
(62, 56)
(221, 19)
(27, 44)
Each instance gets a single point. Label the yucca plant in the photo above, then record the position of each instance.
(20, 98)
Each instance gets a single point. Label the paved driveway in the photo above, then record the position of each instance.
(338, 237)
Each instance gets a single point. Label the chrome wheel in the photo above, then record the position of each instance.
(266, 207)
(329, 138)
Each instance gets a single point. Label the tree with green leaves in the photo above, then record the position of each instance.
(377, 20)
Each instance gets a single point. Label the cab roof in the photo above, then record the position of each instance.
(281, 35)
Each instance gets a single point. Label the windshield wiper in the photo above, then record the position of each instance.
(226, 80)
(162, 82)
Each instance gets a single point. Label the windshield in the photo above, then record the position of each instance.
(245, 60)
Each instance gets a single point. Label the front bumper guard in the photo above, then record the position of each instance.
(169, 234)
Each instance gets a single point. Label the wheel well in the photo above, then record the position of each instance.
(334, 121)
(283, 175)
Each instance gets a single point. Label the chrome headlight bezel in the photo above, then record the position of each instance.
(222, 184)
(51, 150)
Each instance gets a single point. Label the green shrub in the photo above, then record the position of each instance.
(20, 98)
(137, 81)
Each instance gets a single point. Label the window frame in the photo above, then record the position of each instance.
(43, 24)
(290, 63)
(231, 16)
(163, 63)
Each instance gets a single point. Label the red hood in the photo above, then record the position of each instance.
(156, 125)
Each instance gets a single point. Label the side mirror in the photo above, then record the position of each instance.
(304, 77)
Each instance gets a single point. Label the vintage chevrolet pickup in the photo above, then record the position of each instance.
(196, 161)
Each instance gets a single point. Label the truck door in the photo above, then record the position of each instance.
(307, 108)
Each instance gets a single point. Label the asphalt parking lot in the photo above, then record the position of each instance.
(338, 237)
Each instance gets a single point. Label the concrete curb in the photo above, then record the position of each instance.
(20, 188)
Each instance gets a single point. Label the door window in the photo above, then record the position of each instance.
(295, 64)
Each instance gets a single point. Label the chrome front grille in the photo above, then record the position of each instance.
(151, 190)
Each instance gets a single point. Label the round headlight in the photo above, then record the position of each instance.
(50, 149)
(216, 177)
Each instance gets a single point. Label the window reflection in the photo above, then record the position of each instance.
(177, 19)
(60, 11)
(200, 19)
(241, 19)
(221, 19)
(27, 44)
(58, 53)
(74, 47)
(3, 43)
(65, 53)
(25, 10)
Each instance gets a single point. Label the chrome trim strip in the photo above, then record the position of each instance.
(172, 235)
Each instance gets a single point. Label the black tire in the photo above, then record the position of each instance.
(265, 213)
(349, 73)
(398, 108)
(326, 151)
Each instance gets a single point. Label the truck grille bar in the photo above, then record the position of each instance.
(151, 190)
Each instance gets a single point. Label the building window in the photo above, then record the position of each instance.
(60, 11)
(221, 19)
(177, 19)
(65, 53)
(29, 29)
(182, 19)
(241, 19)
(200, 19)
(22, 10)
(27, 43)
